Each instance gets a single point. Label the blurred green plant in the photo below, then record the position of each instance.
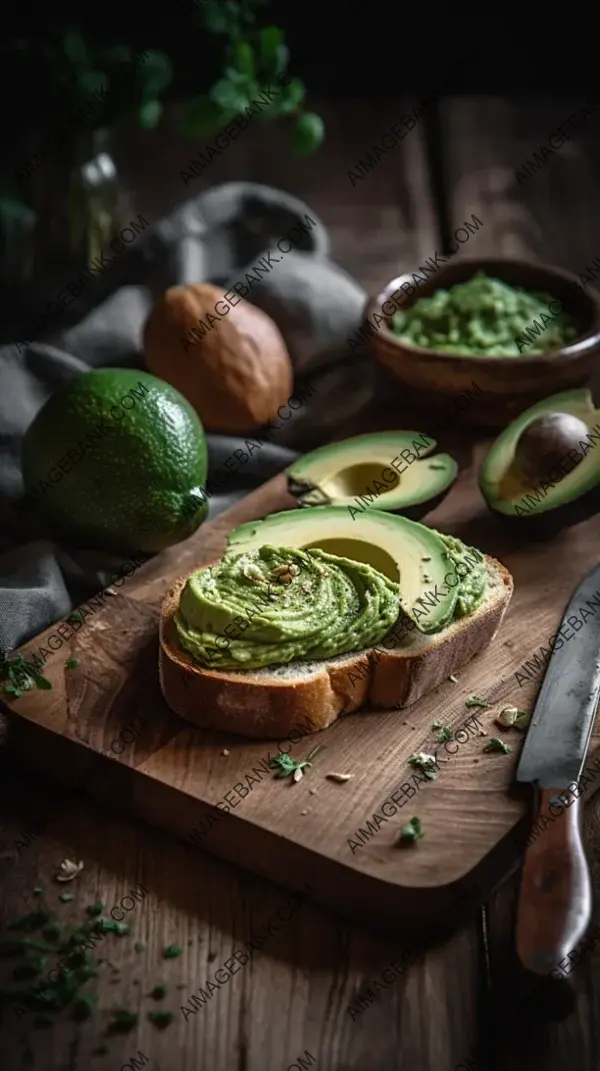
(253, 58)
(70, 69)
(90, 86)
(75, 86)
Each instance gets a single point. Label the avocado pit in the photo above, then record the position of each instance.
(543, 447)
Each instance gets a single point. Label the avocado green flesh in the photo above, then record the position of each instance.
(245, 613)
(369, 471)
(484, 317)
(132, 475)
(501, 481)
(423, 561)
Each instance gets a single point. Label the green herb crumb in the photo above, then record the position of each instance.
(476, 701)
(161, 1019)
(95, 909)
(425, 764)
(159, 992)
(288, 767)
(123, 1021)
(38, 891)
(66, 897)
(411, 832)
(444, 732)
(512, 716)
(172, 952)
(140, 946)
(71, 663)
(495, 744)
(453, 678)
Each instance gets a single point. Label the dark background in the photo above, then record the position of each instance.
(359, 48)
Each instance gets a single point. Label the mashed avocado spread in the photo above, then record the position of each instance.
(275, 605)
(471, 569)
(485, 316)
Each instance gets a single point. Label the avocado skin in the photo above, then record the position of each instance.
(547, 525)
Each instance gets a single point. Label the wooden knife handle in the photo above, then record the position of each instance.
(555, 900)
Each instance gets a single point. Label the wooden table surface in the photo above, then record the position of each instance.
(455, 1007)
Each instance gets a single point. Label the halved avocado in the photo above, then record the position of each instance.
(545, 507)
(401, 549)
(395, 471)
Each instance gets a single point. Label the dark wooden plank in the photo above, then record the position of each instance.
(546, 210)
(305, 975)
(377, 224)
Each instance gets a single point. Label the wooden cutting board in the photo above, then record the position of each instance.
(105, 727)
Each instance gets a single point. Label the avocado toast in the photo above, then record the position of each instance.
(311, 613)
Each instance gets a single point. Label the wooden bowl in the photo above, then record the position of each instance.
(446, 382)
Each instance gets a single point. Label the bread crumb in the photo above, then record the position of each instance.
(303, 812)
(111, 591)
(225, 751)
(339, 777)
(312, 791)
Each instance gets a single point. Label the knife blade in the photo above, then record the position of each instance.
(559, 731)
(555, 896)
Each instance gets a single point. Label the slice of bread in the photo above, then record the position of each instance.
(270, 703)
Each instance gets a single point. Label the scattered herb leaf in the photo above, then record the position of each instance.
(95, 909)
(71, 663)
(495, 744)
(66, 897)
(159, 992)
(425, 764)
(139, 946)
(160, 1019)
(522, 720)
(411, 832)
(123, 1021)
(172, 952)
(476, 701)
(444, 732)
(287, 766)
(453, 678)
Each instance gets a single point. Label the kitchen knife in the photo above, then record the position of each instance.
(555, 897)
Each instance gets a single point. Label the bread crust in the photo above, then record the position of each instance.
(251, 705)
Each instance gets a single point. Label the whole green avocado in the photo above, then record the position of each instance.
(116, 459)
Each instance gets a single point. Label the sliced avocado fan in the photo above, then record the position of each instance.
(394, 471)
(406, 552)
(504, 487)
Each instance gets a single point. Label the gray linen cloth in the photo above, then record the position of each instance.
(216, 237)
